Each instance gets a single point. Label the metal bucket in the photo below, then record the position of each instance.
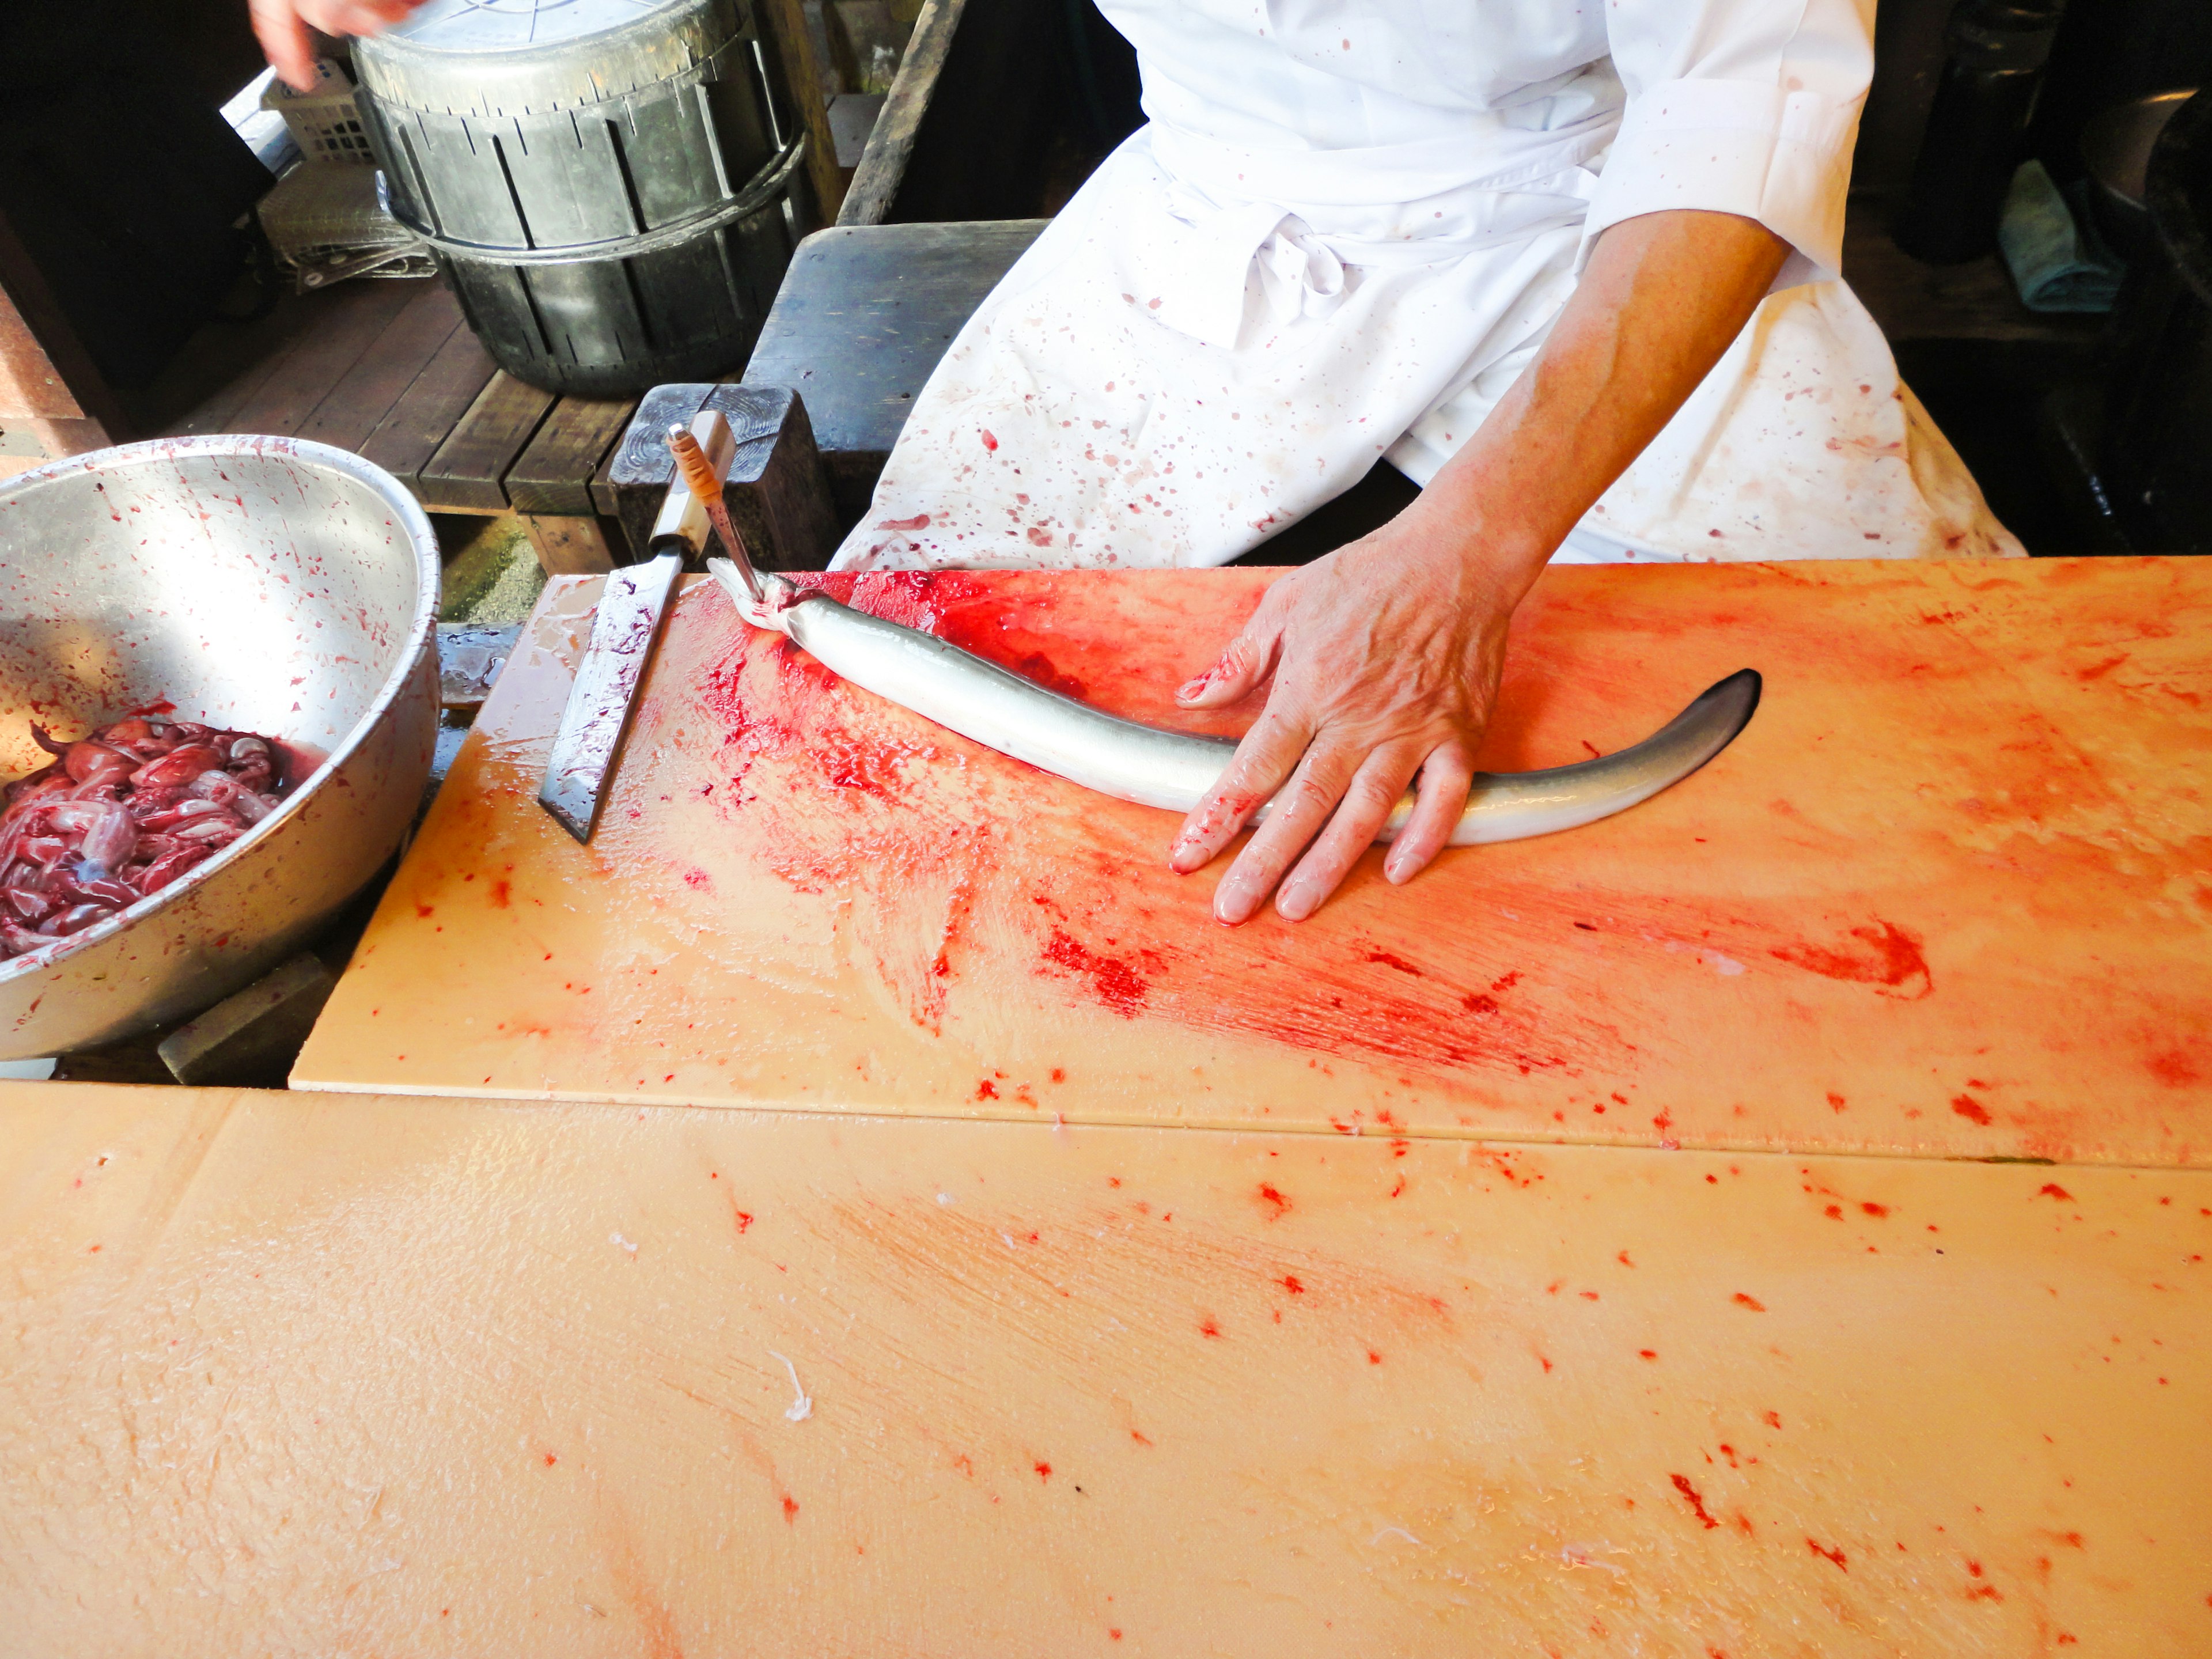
(264, 584)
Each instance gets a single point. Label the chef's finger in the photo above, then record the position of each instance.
(1375, 790)
(1269, 754)
(283, 38)
(1301, 807)
(1237, 671)
(1441, 797)
(344, 17)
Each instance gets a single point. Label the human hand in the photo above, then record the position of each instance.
(1381, 661)
(282, 27)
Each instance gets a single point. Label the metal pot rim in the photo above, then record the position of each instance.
(427, 575)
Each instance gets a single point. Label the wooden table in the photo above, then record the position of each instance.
(1947, 895)
(300, 1373)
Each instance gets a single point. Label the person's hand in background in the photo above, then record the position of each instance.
(282, 26)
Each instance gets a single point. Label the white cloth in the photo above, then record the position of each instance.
(1341, 237)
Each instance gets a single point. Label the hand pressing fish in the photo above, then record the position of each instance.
(118, 815)
(1146, 765)
(1175, 770)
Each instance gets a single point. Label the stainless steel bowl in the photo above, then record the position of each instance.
(264, 584)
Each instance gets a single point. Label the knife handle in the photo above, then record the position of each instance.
(699, 475)
(682, 516)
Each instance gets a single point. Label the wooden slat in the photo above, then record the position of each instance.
(783, 36)
(427, 413)
(222, 365)
(553, 475)
(354, 407)
(321, 358)
(569, 547)
(890, 145)
(466, 475)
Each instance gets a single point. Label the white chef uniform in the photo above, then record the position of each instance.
(1346, 229)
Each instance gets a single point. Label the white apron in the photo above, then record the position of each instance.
(1347, 230)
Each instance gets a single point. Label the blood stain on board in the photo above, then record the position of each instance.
(1276, 1203)
(1886, 956)
(1969, 1109)
(1695, 1499)
(1835, 1555)
(1116, 983)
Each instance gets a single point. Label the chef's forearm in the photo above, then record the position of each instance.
(1662, 297)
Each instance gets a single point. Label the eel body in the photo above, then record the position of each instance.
(1143, 763)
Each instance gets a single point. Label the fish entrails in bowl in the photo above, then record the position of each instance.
(118, 815)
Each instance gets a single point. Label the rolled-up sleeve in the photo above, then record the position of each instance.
(1743, 107)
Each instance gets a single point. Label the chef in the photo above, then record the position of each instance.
(1570, 265)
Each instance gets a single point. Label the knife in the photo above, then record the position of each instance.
(623, 632)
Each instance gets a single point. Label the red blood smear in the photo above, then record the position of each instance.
(1389, 960)
(1969, 1109)
(1118, 985)
(1043, 1471)
(2052, 1189)
(1696, 1501)
(1275, 1201)
(1890, 960)
(1834, 1555)
(1877, 1210)
(790, 1509)
(1750, 1302)
(1109, 926)
(1291, 1283)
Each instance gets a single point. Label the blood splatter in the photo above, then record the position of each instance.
(1890, 962)
(1969, 1109)
(1118, 985)
(1695, 1500)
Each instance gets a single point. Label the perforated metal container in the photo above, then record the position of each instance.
(614, 185)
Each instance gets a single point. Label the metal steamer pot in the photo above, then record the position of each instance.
(263, 584)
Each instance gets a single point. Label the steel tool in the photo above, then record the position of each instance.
(625, 628)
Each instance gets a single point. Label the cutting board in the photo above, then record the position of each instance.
(1950, 893)
(311, 1374)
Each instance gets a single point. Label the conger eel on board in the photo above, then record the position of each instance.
(1175, 770)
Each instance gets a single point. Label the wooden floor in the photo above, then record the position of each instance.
(390, 370)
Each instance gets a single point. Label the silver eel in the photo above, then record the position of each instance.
(1143, 763)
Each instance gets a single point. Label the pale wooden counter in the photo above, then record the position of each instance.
(343, 1375)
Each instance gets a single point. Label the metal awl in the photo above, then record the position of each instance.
(699, 475)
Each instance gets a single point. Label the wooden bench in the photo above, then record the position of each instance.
(862, 318)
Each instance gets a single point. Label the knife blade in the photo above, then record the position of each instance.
(597, 715)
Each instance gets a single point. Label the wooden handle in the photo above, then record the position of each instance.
(698, 471)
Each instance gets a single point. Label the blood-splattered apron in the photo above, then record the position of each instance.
(1346, 229)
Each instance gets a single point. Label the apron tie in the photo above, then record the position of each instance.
(1212, 240)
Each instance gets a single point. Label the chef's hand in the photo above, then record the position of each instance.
(1381, 660)
(282, 27)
